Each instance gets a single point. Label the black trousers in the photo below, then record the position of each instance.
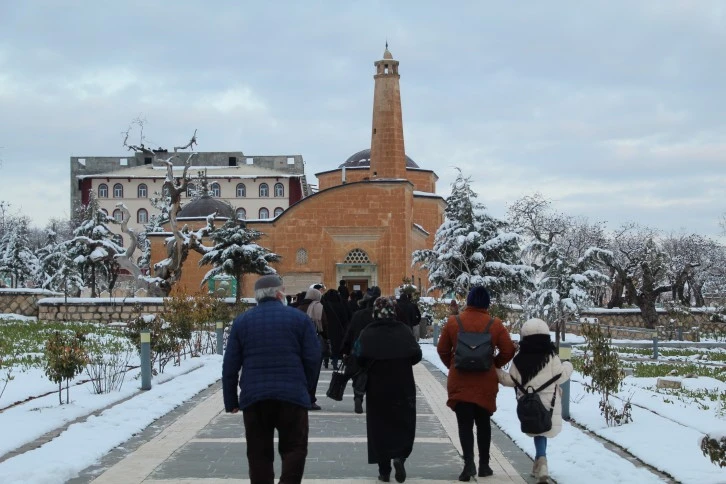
(291, 421)
(467, 414)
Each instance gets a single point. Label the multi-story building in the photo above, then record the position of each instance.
(257, 187)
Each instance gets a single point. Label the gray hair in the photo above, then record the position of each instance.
(267, 292)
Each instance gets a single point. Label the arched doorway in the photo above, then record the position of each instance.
(357, 270)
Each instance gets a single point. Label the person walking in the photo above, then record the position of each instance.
(278, 351)
(387, 350)
(535, 364)
(473, 394)
(336, 313)
(408, 313)
(312, 306)
(361, 318)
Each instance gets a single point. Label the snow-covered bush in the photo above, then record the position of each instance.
(714, 447)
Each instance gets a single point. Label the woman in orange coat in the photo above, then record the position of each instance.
(473, 394)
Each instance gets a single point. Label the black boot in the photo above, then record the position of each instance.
(484, 469)
(400, 469)
(469, 470)
(358, 404)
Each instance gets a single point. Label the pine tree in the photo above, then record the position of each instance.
(236, 253)
(56, 270)
(472, 248)
(94, 247)
(16, 258)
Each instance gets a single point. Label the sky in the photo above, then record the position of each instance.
(613, 110)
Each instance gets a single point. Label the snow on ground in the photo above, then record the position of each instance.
(667, 440)
(85, 442)
(16, 317)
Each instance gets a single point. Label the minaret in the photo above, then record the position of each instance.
(388, 157)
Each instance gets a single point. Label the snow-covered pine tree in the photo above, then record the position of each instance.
(473, 248)
(56, 269)
(17, 260)
(94, 247)
(236, 253)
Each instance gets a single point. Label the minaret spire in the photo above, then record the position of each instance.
(388, 157)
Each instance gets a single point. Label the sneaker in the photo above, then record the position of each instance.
(358, 405)
(400, 469)
(315, 406)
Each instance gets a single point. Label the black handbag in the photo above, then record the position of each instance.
(338, 380)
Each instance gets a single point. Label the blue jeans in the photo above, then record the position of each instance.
(540, 446)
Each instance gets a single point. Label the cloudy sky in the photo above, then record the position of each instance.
(614, 110)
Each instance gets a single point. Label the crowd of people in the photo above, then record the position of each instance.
(276, 350)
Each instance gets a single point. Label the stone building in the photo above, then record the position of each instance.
(367, 217)
(255, 186)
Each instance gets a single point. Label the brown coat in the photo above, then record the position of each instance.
(479, 387)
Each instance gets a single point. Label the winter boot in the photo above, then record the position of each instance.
(469, 470)
(484, 469)
(541, 471)
(358, 404)
(400, 474)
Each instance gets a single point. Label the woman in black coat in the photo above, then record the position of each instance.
(337, 323)
(388, 350)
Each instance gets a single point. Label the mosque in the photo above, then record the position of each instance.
(367, 217)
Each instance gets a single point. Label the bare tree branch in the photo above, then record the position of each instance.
(191, 143)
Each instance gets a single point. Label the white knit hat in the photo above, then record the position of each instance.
(534, 326)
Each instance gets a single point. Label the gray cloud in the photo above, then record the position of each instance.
(613, 110)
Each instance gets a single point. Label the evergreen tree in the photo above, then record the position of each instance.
(236, 253)
(94, 247)
(16, 258)
(57, 271)
(472, 248)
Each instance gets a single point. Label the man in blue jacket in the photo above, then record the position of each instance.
(278, 351)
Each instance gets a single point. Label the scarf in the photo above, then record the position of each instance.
(535, 351)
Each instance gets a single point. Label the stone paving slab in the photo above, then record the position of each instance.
(205, 445)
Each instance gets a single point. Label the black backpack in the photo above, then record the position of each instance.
(533, 416)
(474, 351)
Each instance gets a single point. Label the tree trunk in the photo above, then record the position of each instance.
(60, 391)
(93, 281)
(238, 289)
(698, 295)
(616, 298)
(646, 303)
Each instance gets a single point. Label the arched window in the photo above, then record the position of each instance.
(357, 256)
(264, 190)
(279, 190)
(278, 212)
(118, 191)
(142, 191)
(264, 213)
(241, 214)
(105, 211)
(142, 216)
(102, 190)
(191, 189)
(302, 256)
(118, 215)
(241, 190)
(216, 190)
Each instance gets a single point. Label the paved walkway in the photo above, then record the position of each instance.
(205, 445)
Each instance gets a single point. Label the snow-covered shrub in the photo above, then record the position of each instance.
(6, 368)
(65, 357)
(108, 361)
(602, 365)
(714, 447)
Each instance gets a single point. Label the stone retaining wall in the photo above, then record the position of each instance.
(22, 301)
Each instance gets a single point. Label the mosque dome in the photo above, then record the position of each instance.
(205, 206)
(363, 159)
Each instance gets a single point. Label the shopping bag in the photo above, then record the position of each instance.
(338, 380)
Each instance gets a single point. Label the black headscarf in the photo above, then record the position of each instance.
(534, 353)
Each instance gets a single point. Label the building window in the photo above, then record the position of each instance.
(102, 190)
(241, 214)
(147, 160)
(278, 211)
(302, 256)
(232, 161)
(142, 216)
(118, 215)
(142, 191)
(241, 190)
(191, 189)
(216, 190)
(279, 190)
(357, 256)
(118, 191)
(264, 213)
(105, 212)
(264, 190)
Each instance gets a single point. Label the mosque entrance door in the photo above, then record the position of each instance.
(357, 284)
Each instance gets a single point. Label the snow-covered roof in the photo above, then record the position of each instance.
(421, 229)
(159, 171)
